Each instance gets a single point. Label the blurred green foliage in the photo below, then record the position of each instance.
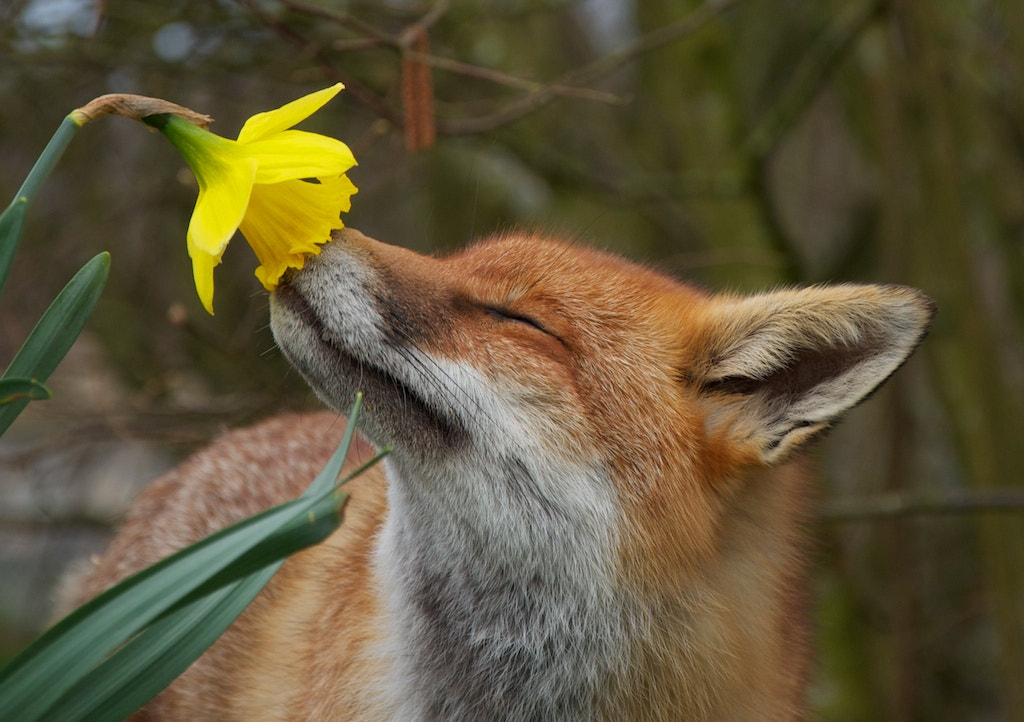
(738, 143)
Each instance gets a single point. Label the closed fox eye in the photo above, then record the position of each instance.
(503, 314)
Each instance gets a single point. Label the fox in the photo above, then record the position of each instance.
(594, 509)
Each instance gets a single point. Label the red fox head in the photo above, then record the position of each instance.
(592, 352)
(592, 505)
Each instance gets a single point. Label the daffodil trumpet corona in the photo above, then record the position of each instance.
(285, 189)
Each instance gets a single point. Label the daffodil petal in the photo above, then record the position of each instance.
(262, 125)
(219, 211)
(225, 175)
(224, 190)
(202, 272)
(288, 221)
(295, 154)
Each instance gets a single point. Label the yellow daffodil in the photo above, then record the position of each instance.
(284, 189)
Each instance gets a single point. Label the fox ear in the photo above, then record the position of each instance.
(777, 368)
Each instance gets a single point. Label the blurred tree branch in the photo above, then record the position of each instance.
(537, 95)
(922, 503)
(355, 88)
(811, 75)
(590, 72)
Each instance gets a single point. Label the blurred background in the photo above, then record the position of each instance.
(741, 144)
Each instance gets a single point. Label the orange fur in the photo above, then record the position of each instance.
(594, 505)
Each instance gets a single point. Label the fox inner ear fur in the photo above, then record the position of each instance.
(777, 368)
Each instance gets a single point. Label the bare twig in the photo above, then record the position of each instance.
(412, 33)
(511, 81)
(811, 75)
(931, 503)
(651, 41)
(375, 38)
(793, 269)
(537, 94)
(343, 19)
(588, 73)
(809, 78)
(884, 507)
(352, 86)
(42, 520)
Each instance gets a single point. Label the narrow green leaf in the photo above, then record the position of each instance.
(60, 324)
(11, 222)
(140, 669)
(18, 389)
(328, 478)
(57, 330)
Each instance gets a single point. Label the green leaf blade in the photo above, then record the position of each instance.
(57, 330)
(11, 222)
(140, 669)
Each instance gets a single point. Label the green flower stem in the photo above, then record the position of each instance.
(49, 157)
(13, 218)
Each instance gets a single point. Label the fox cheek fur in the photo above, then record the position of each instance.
(592, 511)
